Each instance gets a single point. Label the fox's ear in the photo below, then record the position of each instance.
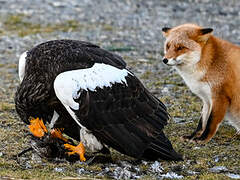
(204, 34)
(165, 31)
(206, 30)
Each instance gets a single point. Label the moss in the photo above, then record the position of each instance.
(146, 75)
(6, 106)
(18, 24)
(107, 27)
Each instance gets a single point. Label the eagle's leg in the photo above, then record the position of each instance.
(79, 149)
(57, 133)
(37, 127)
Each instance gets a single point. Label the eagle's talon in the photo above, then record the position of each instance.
(37, 127)
(57, 133)
(79, 149)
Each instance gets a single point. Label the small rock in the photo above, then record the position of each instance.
(112, 165)
(218, 169)
(137, 169)
(179, 120)
(125, 174)
(58, 169)
(156, 167)
(192, 172)
(117, 172)
(216, 159)
(80, 170)
(28, 165)
(36, 158)
(165, 90)
(233, 176)
(1, 154)
(196, 147)
(106, 169)
(125, 164)
(172, 175)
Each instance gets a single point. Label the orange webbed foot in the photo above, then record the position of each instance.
(57, 133)
(79, 149)
(37, 127)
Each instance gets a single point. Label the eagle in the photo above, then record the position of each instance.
(89, 94)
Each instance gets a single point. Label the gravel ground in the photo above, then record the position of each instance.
(133, 30)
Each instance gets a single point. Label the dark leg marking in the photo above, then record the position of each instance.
(199, 128)
(205, 133)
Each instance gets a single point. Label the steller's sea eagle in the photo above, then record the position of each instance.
(90, 94)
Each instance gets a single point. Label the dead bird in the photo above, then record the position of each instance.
(53, 149)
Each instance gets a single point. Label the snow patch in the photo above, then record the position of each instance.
(233, 176)
(156, 167)
(172, 175)
(217, 169)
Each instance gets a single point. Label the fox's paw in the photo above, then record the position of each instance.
(185, 138)
(199, 140)
(191, 138)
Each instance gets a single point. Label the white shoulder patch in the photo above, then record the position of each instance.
(67, 85)
(21, 65)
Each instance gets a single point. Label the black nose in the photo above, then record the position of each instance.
(165, 60)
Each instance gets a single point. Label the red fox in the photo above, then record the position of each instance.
(211, 68)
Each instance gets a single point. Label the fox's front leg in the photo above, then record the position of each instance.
(196, 133)
(206, 110)
(220, 105)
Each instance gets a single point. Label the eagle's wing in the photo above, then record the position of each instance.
(114, 105)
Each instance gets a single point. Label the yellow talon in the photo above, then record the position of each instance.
(79, 149)
(56, 133)
(37, 127)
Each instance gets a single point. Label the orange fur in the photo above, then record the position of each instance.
(211, 68)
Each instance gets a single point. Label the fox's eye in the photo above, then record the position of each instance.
(180, 48)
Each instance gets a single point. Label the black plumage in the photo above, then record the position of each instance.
(124, 116)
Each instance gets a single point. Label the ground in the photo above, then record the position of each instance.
(131, 29)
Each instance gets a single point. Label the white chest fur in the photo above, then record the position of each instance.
(192, 78)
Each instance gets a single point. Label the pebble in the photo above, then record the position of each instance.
(36, 158)
(156, 167)
(81, 171)
(192, 172)
(28, 165)
(172, 175)
(216, 159)
(233, 176)
(218, 169)
(59, 169)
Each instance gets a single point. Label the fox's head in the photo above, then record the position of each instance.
(184, 44)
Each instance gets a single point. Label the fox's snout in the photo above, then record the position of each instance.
(169, 62)
(165, 60)
(172, 61)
